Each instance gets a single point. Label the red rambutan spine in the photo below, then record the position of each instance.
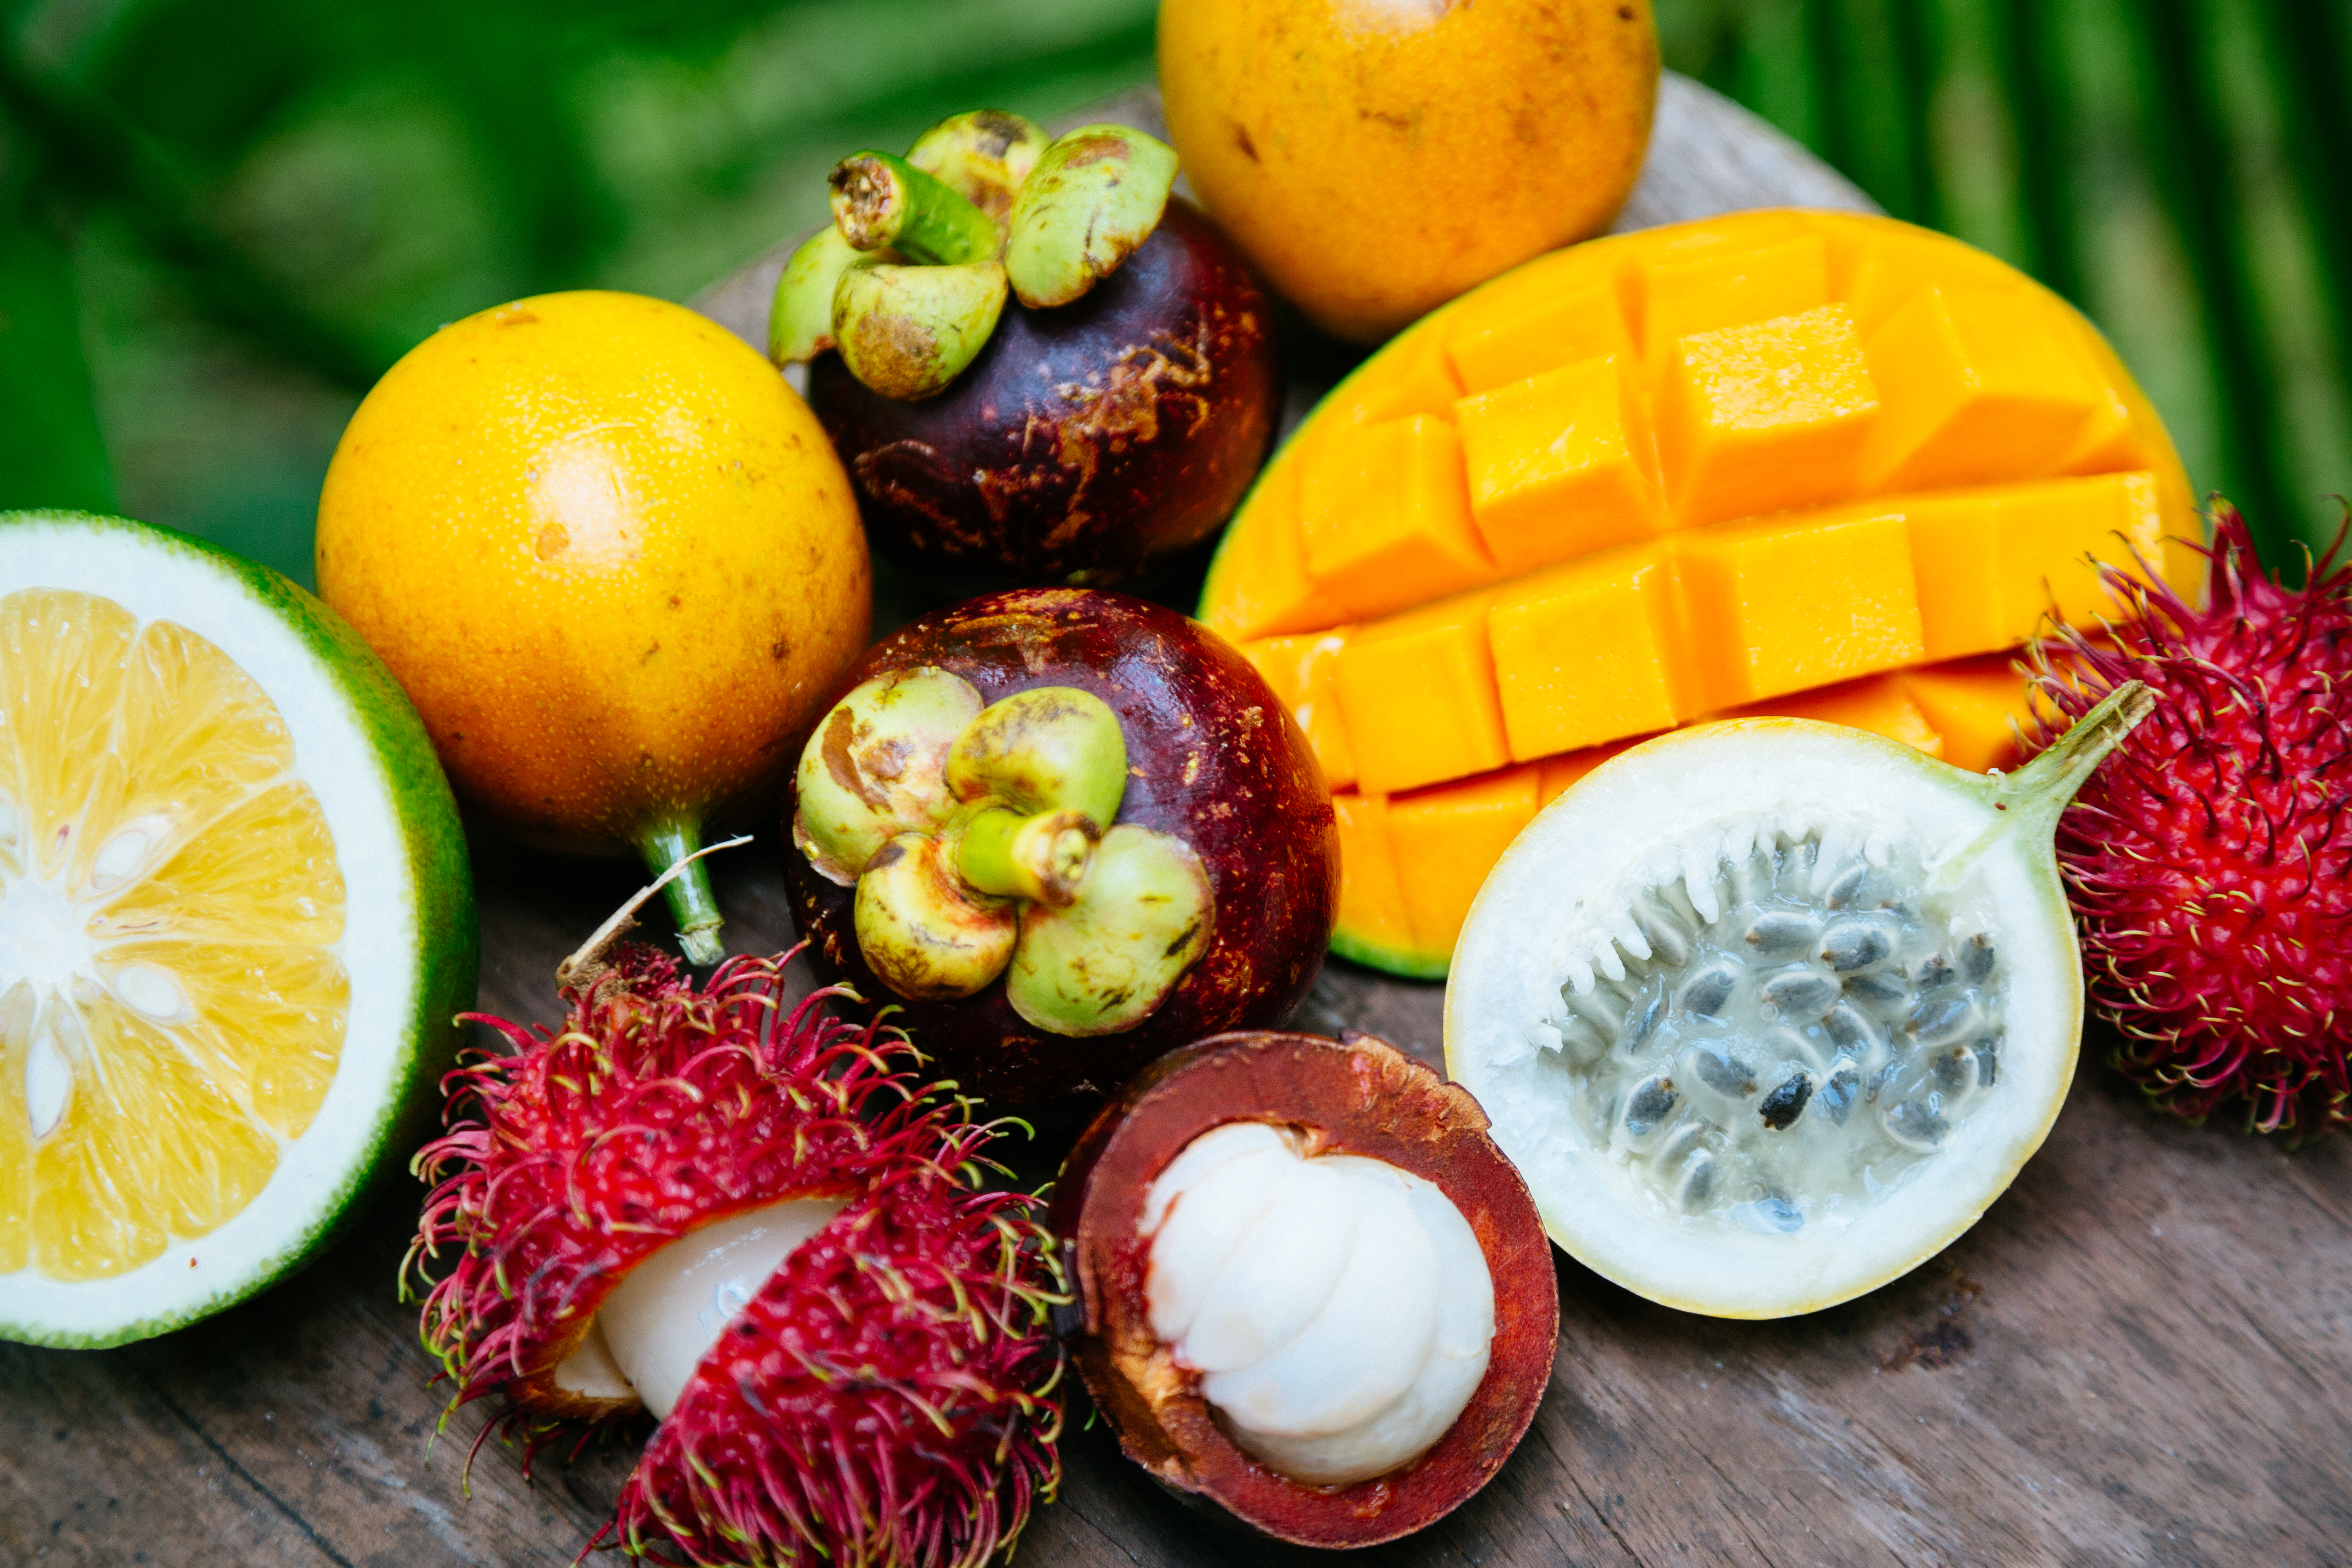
(891, 1395)
(2210, 861)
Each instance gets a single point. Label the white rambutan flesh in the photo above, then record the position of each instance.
(656, 1325)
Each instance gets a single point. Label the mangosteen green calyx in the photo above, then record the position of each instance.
(1057, 833)
(908, 281)
(1113, 409)
(993, 851)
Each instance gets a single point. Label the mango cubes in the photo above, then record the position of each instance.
(1806, 463)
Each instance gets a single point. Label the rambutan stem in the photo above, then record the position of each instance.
(691, 902)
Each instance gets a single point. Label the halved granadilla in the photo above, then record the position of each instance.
(755, 1223)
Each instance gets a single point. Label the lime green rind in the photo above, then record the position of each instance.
(440, 875)
(1389, 960)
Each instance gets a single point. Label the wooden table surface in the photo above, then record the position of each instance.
(2143, 1354)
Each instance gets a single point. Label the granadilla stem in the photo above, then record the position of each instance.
(2032, 799)
(1096, 194)
(578, 972)
(879, 201)
(2038, 793)
(691, 902)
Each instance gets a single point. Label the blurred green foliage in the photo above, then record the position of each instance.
(2164, 163)
(264, 202)
(220, 219)
(50, 448)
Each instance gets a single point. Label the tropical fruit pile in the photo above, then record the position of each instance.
(1778, 461)
(1749, 1017)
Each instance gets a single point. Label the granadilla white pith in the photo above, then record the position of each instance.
(1767, 1012)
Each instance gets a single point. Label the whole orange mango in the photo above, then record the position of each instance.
(1375, 158)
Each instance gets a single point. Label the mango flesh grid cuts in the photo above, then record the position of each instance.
(1781, 462)
(182, 1017)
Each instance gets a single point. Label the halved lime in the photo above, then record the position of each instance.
(236, 922)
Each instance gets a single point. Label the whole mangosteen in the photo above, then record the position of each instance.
(1309, 1288)
(1062, 831)
(1113, 411)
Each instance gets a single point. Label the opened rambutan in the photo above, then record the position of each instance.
(2209, 859)
(753, 1222)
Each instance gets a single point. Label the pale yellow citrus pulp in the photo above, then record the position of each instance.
(171, 1010)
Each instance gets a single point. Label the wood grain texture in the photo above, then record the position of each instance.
(2143, 1354)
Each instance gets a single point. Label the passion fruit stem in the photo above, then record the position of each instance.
(1042, 857)
(580, 971)
(1096, 194)
(2038, 793)
(672, 851)
(879, 201)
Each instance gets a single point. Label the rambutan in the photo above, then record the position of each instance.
(755, 1222)
(2209, 860)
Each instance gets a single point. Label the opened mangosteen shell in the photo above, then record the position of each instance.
(1213, 758)
(1086, 440)
(1355, 1095)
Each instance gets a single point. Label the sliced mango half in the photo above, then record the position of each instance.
(1803, 463)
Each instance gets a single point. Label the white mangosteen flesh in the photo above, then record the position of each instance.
(1339, 1310)
(657, 1323)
